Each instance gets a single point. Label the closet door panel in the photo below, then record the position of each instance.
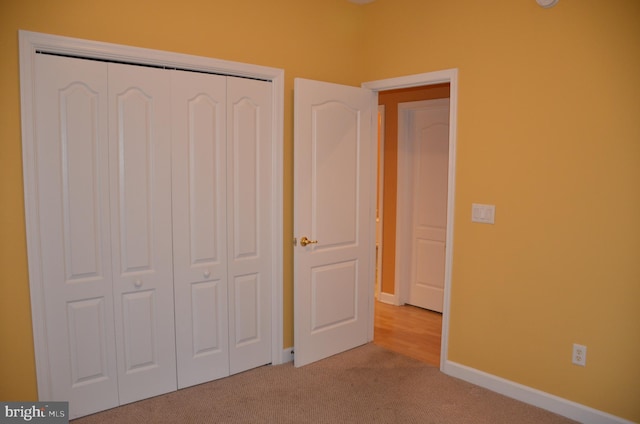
(140, 163)
(246, 309)
(73, 198)
(249, 196)
(199, 226)
(135, 110)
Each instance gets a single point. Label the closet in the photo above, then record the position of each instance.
(154, 211)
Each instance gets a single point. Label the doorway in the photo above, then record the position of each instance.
(390, 293)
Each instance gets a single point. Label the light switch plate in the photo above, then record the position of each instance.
(484, 214)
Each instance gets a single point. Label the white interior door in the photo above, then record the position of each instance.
(71, 102)
(198, 103)
(428, 142)
(334, 207)
(140, 172)
(249, 231)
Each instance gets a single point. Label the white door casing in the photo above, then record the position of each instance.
(380, 201)
(449, 76)
(423, 161)
(334, 172)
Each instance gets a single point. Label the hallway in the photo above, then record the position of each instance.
(409, 330)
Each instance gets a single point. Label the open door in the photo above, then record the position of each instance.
(423, 157)
(334, 218)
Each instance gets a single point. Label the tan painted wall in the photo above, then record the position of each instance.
(548, 131)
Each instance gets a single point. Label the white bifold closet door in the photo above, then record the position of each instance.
(154, 192)
(72, 154)
(249, 196)
(105, 216)
(199, 226)
(221, 215)
(140, 188)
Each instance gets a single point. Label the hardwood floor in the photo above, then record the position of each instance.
(409, 330)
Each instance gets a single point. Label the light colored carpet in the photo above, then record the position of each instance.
(368, 384)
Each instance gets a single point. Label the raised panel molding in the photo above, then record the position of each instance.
(80, 182)
(247, 309)
(206, 317)
(140, 328)
(87, 341)
(203, 194)
(135, 180)
(327, 287)
(337, 150)
(246, 184)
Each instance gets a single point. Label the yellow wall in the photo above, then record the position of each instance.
(548, 131)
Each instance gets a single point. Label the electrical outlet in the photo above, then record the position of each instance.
(579, 355)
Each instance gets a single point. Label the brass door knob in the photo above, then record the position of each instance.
(304, 241)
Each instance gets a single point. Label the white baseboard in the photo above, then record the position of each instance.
(391, 299)
(552, 403)
(287, 355)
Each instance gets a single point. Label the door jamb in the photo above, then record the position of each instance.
(380, 200)
(430, 78)
(30, 43)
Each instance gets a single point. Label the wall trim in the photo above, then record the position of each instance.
(32, 42)
(287, 355)
(391, 299)
(380, 202)
(531, 396)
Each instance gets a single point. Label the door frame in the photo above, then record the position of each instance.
(30, 43)
(380, 202)
(431, 78)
